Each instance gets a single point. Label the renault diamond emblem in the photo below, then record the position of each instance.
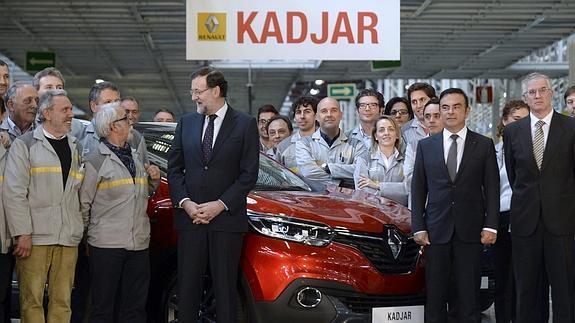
(394, 242)
(212, 23)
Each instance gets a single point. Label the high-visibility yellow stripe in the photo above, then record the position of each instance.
(35, 170)
(123, 181)
(1, 179)
(77, 175)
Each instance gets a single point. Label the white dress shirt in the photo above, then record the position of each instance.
(221, 113)
(547, 120)
(447, 142)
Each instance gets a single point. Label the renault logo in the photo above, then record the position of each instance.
(212, 24)
(394, 242)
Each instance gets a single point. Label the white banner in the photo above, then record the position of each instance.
(292, 29)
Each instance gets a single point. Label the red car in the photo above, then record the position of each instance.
(311, 256)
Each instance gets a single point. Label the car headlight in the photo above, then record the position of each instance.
(291, 229)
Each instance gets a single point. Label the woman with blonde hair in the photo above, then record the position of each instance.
(382, 174)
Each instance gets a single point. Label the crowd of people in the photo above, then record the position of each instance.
(463, 191)
(74, 195)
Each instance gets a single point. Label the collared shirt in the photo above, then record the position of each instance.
(505, 195)
(221, 113)
(387, 161)
(447, 141)
(14, 130)
(49, 135)
(546, 126)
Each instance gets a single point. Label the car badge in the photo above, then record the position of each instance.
(394, 242)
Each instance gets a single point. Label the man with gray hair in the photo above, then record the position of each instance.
(43, 177)
(51, 79)
(539, 155)
(114, 198)
(22, 103)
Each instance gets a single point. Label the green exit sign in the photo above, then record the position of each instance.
(341, 90)
(380, 65)
(37, 61)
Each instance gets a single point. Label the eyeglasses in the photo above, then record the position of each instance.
(122, 119)
(367, 106)
(198, 92)
(400, 112)
(542, 91)
(264, 122)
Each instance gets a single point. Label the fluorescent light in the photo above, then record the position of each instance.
(319, 82)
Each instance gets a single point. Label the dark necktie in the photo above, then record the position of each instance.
(452, 158)
(208, 138)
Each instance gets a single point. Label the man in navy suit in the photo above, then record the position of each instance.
(455, 209)
(212, 165)
(540, 159)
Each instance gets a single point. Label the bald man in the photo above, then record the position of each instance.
(329, 155)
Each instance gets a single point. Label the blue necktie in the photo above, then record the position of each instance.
(208, 139)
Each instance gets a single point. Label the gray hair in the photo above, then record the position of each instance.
(47, 103)
(13, 90)
(48, 71)
(105, 117)
(97, 88)
(532, 77)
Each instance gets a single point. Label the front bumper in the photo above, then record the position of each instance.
(339, 304)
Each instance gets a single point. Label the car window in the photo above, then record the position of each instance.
(271, 177)
(274, 177)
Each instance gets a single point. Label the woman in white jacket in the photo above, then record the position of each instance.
(382, 174)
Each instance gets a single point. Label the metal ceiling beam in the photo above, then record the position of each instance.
(157, 55)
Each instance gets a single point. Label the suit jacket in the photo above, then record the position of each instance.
(229, 175)
(464, 206)
(548, 194)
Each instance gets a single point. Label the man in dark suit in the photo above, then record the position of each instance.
(212, 165)
(455, 209)
(540, 160)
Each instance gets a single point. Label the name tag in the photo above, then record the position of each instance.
(404, 314)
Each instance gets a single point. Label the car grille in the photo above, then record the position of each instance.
(362, 303)
(379, 251)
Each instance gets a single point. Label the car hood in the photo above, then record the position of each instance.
(337, 207)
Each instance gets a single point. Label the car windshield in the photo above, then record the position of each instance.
(274, 177)
(271, 177)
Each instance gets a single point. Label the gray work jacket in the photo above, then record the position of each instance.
(35, 200)
(113, 203)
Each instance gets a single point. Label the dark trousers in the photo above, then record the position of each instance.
(533, 255)
(222, 250)
(81, 292)
(454, 263)
(504, 282)
(118, 270)
(6, 268)
(505, 296)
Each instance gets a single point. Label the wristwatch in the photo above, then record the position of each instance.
(325, 167)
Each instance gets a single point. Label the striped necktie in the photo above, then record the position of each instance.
(539, 143)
